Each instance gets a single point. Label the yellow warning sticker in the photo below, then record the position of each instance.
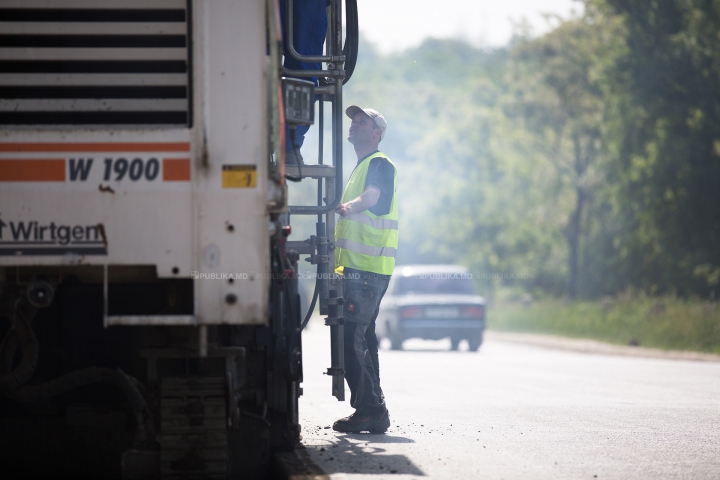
(239, 176)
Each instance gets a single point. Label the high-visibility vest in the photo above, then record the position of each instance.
(365, 241)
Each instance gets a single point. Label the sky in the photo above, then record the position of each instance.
(394, 25)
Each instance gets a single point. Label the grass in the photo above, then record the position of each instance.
(669, 323)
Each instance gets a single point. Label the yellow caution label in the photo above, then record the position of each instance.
(239, 176)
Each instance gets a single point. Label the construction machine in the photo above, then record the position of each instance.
(149, 303)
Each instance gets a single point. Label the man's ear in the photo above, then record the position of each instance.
(377, 134)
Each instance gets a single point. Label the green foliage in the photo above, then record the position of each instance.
(581, 163)
(658, 322)
(666, 165)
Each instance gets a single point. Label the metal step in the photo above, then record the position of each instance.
(310, 171)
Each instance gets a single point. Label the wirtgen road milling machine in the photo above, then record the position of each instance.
(150, 308)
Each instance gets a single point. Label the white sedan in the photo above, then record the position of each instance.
(431, 302)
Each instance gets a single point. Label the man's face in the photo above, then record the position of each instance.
(363, 130)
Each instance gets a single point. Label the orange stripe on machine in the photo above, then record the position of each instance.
(32, 170)
(176, 169)
(86, 147)
(132, 164)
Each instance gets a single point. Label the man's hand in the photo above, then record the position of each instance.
(366, 200)
(343, 209)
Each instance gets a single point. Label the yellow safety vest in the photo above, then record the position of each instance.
(365, 241)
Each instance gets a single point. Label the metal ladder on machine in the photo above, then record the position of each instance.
(320, 247)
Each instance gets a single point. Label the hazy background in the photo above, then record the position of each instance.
(574, 157)
(400, 24)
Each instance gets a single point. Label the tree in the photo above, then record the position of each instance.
(559, 97)
(667, 163)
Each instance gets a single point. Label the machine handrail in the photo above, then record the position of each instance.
(291, 46)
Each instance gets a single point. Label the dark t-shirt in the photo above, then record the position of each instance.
(381, 174)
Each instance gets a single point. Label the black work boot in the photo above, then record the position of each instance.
(359, 422)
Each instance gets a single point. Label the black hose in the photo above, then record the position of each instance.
(312, 305)
(350, 49)
(25, 337)
(79, 378)
(88, 376)
(321, 136)
(12, 383)
(296, 150)
(285, 265)
(321, 140)
(8, 348)
(291, 306)
(262, 417)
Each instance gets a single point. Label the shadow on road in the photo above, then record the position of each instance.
(373, 438)
(359, 453)
(432, 350)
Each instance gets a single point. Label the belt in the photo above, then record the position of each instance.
(365, 274)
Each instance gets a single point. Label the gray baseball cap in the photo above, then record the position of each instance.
(376, 116)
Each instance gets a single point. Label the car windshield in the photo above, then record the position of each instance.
(441, 282)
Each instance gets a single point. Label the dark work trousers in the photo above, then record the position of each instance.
(363, 292)
(309, 28)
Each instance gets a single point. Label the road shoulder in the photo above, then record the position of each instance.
(594, 346)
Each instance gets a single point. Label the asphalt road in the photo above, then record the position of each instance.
(518, 411)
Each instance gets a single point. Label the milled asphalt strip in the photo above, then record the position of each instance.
(594, 346)
(296, 465)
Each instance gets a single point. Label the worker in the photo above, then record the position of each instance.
(366, 240)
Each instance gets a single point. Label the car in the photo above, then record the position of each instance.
(432, 302)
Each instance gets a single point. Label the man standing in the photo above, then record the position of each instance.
(366, 240)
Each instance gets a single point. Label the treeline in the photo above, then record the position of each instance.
(581, 163)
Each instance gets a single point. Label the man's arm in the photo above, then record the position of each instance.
(365, 200)
(381, 174)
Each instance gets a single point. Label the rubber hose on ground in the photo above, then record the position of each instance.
(29, 347)
(8, 348)
(88, 376)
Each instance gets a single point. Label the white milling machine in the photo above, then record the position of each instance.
(148, 292)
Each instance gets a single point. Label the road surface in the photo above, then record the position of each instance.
(515, 411)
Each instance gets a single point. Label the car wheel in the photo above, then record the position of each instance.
(475, 342)
(454, 343)
(396, 343)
